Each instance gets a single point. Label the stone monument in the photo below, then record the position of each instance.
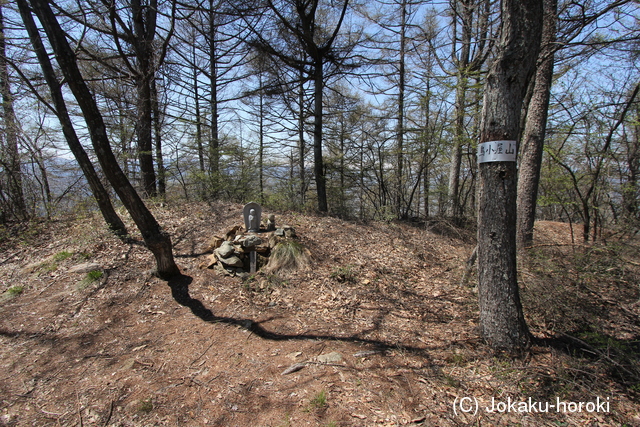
(252, 213)
(271, 222)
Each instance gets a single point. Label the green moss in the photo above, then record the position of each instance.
(15, 290)
(146, 405)
(61, 256)
(90, 278)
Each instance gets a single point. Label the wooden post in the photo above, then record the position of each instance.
(253, 260)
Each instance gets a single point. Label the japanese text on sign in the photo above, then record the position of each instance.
(497, 151)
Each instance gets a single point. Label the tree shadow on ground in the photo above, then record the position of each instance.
(180, 293)
(620, 357)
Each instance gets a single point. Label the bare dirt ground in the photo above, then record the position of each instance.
(377, 333)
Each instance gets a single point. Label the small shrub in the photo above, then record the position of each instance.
(451, 381)
(94, 276)
(345, 273)
(319, 400)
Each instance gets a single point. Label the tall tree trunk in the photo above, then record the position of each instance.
(342, 138)
(198, 119)
(261, 142)
(125, 144)
(630, 191)
(144, 30)
(462, 66)
(47, 197)
(214, 145)
(535, 128)
(301, 142)
(101, 195)
(158, 241)
(318, 164)
(400, 126)
(502, 322)
(11, 164)
(157, 131)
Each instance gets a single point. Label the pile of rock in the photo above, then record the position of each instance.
(230, 255)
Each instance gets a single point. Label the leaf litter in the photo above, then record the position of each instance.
(129, 350)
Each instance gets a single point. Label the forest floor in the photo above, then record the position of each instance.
(379, 332)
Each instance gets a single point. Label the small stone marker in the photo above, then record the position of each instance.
(271, 222)
(250, 244)
(252, 213)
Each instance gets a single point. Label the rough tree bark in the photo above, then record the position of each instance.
(101, 195)
(318, 165)
(462, 65)
(144, 28)
(158, 241)
(535, 128)
(401, 95)
(301, 141)
(157, 131)
(214, 144)
(11, 161)
(502, 322)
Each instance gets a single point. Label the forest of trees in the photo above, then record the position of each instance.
(367, 110)
(358, 109)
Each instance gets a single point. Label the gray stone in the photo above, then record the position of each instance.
(332, 357)
(279, 232)
(232, 261)
(226, 250)
(271, 222)
(294, 368)
(222, 270)
(251, 241)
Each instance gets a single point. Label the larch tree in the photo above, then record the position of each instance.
(134, 48)
(557, 34)
(471, 46)
(156, 240)
(14, 207)
(502, 322)
(535, 128)
(100, 193)
(307, 22)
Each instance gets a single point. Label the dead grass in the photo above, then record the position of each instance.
(208, 350)
(287, 257)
